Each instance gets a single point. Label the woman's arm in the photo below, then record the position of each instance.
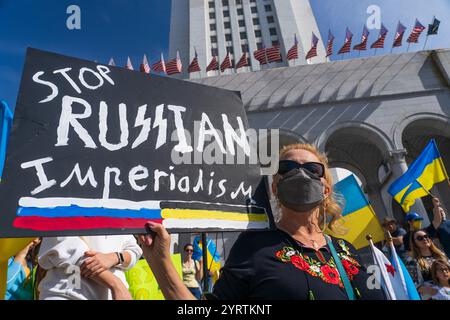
(156, 250)
(199, 269)
(118, 289)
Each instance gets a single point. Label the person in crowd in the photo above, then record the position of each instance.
(440, 272)
(192, 271)
(297, 260)
(87, 268)
(414, 221)
(422, 255)
(397, 233)
(20, 277)
(443, 230)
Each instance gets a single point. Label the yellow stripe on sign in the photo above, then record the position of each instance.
(216, 215)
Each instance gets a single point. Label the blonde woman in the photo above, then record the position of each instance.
(294, 261)
(440, 272)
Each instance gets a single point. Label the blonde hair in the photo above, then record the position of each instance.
(415, 251)
(442, 262)
(330, 206)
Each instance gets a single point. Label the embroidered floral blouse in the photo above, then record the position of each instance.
(272, 265)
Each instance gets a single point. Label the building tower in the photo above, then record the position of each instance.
(215, 27)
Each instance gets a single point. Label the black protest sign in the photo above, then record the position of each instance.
(96, 149)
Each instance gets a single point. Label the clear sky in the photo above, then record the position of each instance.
(121, 28)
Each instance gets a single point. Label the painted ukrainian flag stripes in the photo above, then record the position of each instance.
(427, 170)
(359, 219)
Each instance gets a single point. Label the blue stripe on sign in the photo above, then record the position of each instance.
(76, 211)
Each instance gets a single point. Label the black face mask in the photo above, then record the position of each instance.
(300, 190)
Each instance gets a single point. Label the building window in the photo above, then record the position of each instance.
(243, 35)
(211, 4)
(227, 24)
(252, 0)
(225, 3)
(213, 39)
(212, 27)
(238, 1)
(240, 12)
(241, 23)
(273, 31)
(268, 7)
(275, 43)
(228, 37)
(244, 48)
(230, 50)
(212, 15)
(270, 19)
(259, 45)
(214, 52)
(256, 21)
(254, 10)
(258, 33)
(226, 13)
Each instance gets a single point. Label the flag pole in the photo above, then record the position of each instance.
(428, 192)
(205, 263)
(426, 40)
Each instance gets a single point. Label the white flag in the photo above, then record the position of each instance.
(392, 280)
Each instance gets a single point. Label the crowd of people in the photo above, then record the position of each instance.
(296, 260)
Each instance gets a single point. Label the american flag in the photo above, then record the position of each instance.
(174, 66)
(348, 42)
(194, 66)
(416, 32)
(273, 54)
(226, 63)
(365, 36)
(243, 61)
(144, 65)
(213, 65)
(159, 66)
(111, 62)
(379, 43)
(313, 51)
(129, 66)
(399, 35)
(293, 52)
(261, 56)
(330, 43)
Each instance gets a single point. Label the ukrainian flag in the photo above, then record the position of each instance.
(358, 219)
(212, 255)
(422, 174)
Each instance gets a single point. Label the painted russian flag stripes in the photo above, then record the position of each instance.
(48, 214)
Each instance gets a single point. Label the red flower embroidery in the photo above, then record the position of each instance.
(331, 275)
(300, 263)
(350, 268)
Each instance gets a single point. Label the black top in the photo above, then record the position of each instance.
(272, 265)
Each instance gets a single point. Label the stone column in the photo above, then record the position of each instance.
(399, 167)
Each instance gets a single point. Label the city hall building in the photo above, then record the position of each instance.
(372, 116)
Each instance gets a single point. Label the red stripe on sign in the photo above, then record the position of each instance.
(79, 223)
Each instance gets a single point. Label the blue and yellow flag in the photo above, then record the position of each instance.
(212, 255)
(359, 219)
(427, 170)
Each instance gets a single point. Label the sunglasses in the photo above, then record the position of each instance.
(421, 238)
(189, 250)
(316, 168)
